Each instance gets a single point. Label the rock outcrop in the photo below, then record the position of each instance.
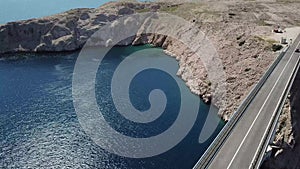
(63, 32)
(245, 55)
(288, 134)
(70, 30)
(238, 30)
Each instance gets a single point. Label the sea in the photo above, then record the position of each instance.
(40, 127)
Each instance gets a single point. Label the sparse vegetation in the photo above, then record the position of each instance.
(169, 8)
(263, 23)
(239, 37)
(271, 44)
(209, 83)
(241, 43)
(276, 47)
(247, 69)
(271, 41)
(286, 1)
(143, 10)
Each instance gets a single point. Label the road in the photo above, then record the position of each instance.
(239, 149)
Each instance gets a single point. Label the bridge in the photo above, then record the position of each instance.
(243, 141)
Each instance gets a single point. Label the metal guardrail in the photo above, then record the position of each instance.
(222, 136)
(262, 148)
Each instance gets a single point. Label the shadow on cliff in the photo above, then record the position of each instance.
(289, 157)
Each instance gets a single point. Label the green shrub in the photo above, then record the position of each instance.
(276, 47)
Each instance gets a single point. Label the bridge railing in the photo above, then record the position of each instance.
(259, 155)
(222, 136)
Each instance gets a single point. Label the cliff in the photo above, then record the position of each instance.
(238, 30)
(287, 134)
(70, 30)
(236, 36)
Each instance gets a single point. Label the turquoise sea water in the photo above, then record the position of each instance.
(40, 129)
(14, 10)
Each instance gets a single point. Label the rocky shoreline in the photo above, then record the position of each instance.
(70, 30)
(238, 30)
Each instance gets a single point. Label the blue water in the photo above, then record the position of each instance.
(14, 10)
(39, 127)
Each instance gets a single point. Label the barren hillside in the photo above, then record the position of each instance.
(241, 31)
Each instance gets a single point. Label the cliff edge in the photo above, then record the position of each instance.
(238, 30)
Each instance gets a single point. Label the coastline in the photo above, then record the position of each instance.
(70, 30)
(240, 36)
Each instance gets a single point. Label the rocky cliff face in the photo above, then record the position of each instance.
(66, 31)
(236, 36)
(63, 32)
(288, 134)
(238, 30)
(70, 30)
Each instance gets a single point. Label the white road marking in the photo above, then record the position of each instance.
(274, 113)
(261, 108)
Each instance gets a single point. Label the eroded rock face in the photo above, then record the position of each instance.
(70, 31)
(125, 11)
(62, 32)
(288, 136)
(235, 29)
(16, 36)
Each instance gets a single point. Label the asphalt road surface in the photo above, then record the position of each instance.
(239, 149)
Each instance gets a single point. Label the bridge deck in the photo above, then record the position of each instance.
(239, 149)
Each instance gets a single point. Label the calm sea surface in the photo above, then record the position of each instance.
(14, 10)
(40, 129)
(39, 126)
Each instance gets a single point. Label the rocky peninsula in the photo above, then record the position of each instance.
(238, 30)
